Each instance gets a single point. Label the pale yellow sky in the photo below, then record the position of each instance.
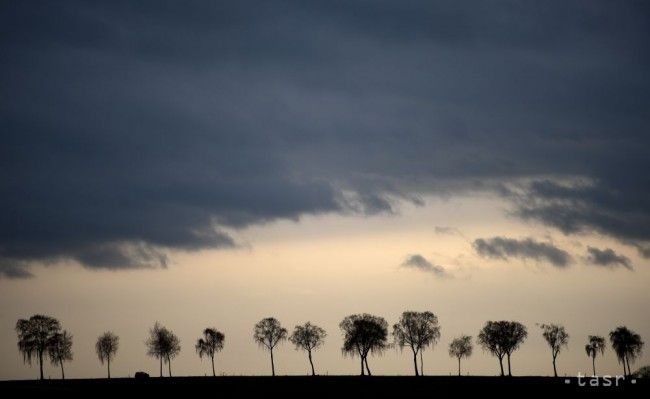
(323, 268)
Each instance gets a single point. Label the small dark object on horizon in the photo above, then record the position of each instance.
(140, 375)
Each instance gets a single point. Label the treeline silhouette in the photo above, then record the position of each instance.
(41, 337)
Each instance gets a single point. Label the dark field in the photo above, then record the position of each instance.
(342, 386)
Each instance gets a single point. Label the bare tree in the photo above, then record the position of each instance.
(34, 337)
(628, 346)
(557, 338)
(268, 333)
(211, 343)
(596, 344)
(364, 334)
(106, 348)
(461, 347)
(308, 337)
(164, 345)
(417, 330)
(60, 350)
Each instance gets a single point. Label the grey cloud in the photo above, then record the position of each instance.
(171, 125)
(419, 262)
(504, 248)
(607, 258)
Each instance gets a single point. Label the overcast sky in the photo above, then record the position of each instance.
(176, 161)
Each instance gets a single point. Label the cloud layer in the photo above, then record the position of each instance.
(607, 258)
(505, 248)
(419, 262)
(129, 130)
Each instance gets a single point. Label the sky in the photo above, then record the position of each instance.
(210, 164)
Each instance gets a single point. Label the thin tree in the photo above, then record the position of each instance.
(461, 347)
(557, 338)
(34, 337)
(515, 333)
(492, 340)
(364, 334)
(417, 330)
(60, 350)
(627, 345)
(211, 343)
(596, 344)
(268, 333)
(164, 345)
(106, 348)
(308, 337)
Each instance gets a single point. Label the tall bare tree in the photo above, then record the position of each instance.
(596, 344)
(461, 347)
(557, 338)
(211, 343)
(106, 349)
(627, 345)
(268, 333)
(364, 334)
(35, 336)
(417, 330)
(164, 345)
(60, 350)
(308, 337)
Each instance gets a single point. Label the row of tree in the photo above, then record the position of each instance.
(363, 335)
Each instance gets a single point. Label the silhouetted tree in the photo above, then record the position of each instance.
(35, 336)
(268, 333)
(164, 345)
(628, 346)
(461, 347)
(308, 337)
(417, 330)
(106, 348)
(502, 338)
(364, 334)
(516, 333)
(556, 337)
(211, 343)
(596, 344)
(60, 350)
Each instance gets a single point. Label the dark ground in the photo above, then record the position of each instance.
(330, 386)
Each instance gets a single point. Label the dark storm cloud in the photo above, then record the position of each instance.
(131, 129)
(504, 248)
(607, 258)
(419, 262)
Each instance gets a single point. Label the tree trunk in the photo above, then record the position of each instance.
(213, 373)
(421, 362)
(624, 368)
(161, 358)
(415, 362)
(108, 363)
(459, 366)
(501, 365)
(593, 364)
(367, 368)
(311, 362)
(554, 368)
(62, 371)
(40, 363)
(509, 370)
(272, 364)
(363, 371)
(169, 365)
(629, 370)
